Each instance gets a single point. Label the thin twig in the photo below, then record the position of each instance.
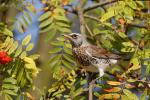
(89, 30)
(92, 17)
(91, 91)
(98, 5)
(81, 17)
(137, 25)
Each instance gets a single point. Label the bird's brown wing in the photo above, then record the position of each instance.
(97, 52)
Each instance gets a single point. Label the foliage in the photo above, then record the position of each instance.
(120, 28)
(18, 74)
(54, 19)
(17, 67)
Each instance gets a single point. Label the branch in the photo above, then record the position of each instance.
(91, 91)
(98, 5)
(135, 25)
(81, 17)
(92, 17)
(89, 30)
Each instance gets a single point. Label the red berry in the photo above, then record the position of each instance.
(3, 54)
(4, 58)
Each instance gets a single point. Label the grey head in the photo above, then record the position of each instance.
(75, 39)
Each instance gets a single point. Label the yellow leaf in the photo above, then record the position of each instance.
(109, 96)
(114, 89)
(113, 83)
(129, 86)
(135, 63)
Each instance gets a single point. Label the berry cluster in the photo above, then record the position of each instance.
(4, 58)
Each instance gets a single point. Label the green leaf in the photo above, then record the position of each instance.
(54, 60)
(128, 49)
(23, 54)
(9, 92)
(107, 15)
(45, 16)
(144, 95)
(26, 40)
(29, 77)
(8, 32)
(129, 44)
(97, 94)
(60, 39)
(46, 22)
(24, 21)
(122, 35)
(96, 31)
(63, 24)
(140, 3)
(130, 95)
(28, 60)
(50, 36)
(61, 18)
(66, 64)
(30, 47)
(131, 80)
(69, 58)
(55, 50)
(57, 43)
(10, 44)
(48, 28)
(31, 8)
(18, 27)
(34, 56)
(64, 30)
(132, 4)
(10, 87)
(27, 16)
(83, 82)
(7, 41)
(10, 80)
(8, 97)
(18, 51)
(20, 75)
(13, 47)
(68, 51)
(136, 64)
(147, 70)
(124, 97)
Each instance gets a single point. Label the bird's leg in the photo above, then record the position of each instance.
(101, 73)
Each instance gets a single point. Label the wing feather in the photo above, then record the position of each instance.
(97, 52)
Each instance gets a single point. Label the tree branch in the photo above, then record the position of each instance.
(89, 30)
(135, 25)
(81, 17)
(91, 91)
(91, 17)
(98, 5)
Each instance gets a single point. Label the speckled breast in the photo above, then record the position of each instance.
(81, 57)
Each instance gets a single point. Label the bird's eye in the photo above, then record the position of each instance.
(74, 36)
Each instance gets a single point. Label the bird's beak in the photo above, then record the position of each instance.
(67, 36)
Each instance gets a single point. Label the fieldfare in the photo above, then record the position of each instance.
(90, 57)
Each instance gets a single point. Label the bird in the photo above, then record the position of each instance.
(90, 57)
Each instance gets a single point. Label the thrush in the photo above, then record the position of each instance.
(91, 57)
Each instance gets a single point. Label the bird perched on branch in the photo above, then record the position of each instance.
(90, 57)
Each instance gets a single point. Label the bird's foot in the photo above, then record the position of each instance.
(97, 79)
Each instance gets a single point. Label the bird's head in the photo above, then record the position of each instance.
(75, 39)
